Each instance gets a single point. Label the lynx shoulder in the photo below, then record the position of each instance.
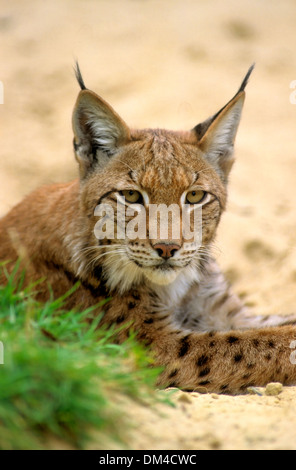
(137, 226)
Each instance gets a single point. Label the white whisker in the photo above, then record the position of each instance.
(98, 247)
(93, 261)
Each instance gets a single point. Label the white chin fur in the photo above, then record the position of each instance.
(123, 274)
(163, 278)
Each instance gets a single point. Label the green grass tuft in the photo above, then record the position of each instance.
(62, 375)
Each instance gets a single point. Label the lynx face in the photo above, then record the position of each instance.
(134, 183)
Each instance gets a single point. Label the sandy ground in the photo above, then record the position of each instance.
(172, 63)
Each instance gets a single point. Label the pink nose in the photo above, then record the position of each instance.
(166, 250)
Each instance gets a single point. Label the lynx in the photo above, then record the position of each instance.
(169, 290)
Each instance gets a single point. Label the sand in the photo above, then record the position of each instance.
(172, 63)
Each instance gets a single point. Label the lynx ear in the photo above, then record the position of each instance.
(217, 134)
(98, 130)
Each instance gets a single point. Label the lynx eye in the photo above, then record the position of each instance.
(132, 196)
(195, 197)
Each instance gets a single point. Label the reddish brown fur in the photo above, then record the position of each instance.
(52, 232)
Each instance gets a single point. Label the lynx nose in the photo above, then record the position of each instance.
(166, 251)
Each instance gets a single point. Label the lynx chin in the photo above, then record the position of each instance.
(168, 286)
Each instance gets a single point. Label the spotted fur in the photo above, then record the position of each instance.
(180, 306)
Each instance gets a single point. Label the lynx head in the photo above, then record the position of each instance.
(139, 188)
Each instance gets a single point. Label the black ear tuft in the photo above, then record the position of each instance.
(201, 128)
(246, 79)
(79, 76)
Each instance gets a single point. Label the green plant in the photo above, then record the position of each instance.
(62, 374)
